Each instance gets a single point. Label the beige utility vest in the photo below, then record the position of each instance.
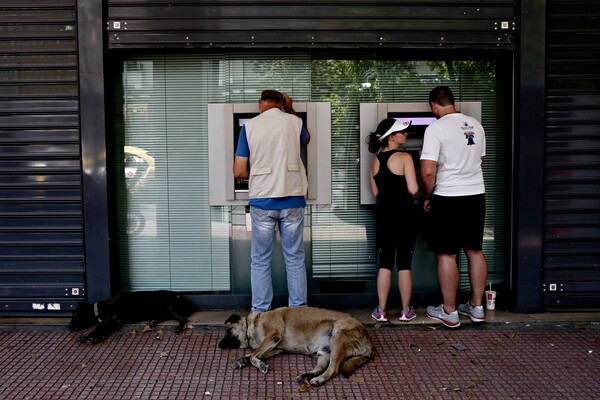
(276, 169)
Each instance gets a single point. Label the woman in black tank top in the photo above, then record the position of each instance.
(393, 182)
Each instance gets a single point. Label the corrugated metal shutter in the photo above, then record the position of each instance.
(41, 239)
(571, 271)
(311, 24)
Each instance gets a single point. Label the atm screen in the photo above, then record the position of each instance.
(420, 121)
(239, 119)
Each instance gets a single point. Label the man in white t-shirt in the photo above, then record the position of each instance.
(454, 197)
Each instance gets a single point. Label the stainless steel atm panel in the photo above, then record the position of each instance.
(420, 113)
(224, 124)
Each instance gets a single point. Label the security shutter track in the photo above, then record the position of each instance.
(571, 274)
(41, 239)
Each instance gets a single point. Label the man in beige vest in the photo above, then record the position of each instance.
(268, 153)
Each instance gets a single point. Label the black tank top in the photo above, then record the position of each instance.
(392, 188)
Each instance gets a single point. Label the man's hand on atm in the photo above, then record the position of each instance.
(288, 105)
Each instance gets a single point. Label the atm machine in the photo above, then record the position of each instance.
(225, 122)
(424, 263)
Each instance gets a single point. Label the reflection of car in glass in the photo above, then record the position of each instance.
(139, 166)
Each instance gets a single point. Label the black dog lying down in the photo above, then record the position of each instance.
(152, 306)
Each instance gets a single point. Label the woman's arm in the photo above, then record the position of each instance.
(410, 174)
(374, 170)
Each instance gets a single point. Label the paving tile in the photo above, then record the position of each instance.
(426, 361)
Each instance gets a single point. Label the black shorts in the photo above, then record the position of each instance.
(455, 223)
(396, 239)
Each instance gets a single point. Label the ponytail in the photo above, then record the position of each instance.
(373, 139)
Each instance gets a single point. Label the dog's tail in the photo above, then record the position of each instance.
(351, 364)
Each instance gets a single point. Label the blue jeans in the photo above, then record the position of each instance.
(291, 227)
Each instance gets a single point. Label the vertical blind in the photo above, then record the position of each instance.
(169, 237)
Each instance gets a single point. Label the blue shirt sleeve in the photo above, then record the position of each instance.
(302, 136)
(242, 148)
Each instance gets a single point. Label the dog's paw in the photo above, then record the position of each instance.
(182, 327)
(318, 381)
(300, 378)
(262, 367)
(240, 363)
(90, 339)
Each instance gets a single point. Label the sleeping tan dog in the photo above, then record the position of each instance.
(340, 342)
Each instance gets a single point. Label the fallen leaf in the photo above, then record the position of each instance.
(133, 332)
(510, 334)
(188, 326)
(151, 382)
(305, 386)
(475, 362)
(427, 328)
(84, 365)
(376, 326)
(146, 329)
(472, 384)
(357, 379)
(402, 338)
(160, 332)
(293, 373)
(164, 354)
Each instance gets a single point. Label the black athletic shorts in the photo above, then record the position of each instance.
(455, 223)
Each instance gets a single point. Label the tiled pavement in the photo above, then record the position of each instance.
(526, 358)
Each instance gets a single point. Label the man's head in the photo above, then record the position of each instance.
(441, 95)
(441, 101)
(270, 99)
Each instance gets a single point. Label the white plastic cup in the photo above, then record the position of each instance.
(490, 297)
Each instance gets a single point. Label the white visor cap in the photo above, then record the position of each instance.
(397, 127)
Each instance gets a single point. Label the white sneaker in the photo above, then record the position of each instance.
(474, 312)
(450, 320)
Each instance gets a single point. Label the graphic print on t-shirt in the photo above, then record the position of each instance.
(469, 133)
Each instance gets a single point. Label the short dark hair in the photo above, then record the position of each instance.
(272, 95)
(441, 95)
